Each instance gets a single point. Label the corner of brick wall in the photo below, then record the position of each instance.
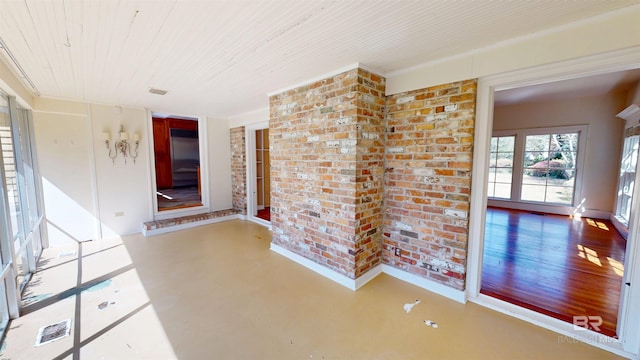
(427, 181)
(238, 169)
(369, 170)
(327, 141)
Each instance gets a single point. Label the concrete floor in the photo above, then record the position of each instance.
(218, 292)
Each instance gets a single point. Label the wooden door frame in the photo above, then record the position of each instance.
(628, 343)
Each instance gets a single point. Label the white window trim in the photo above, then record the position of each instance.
(518, 170)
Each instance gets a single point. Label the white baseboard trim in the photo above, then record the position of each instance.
(566, 330)
(368, 276)
(322, 270)
(426, 284)
(352, 284)
(188, 225)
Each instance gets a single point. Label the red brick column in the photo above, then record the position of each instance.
(238, 169)
(327, 141)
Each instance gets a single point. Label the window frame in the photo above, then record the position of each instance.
(518, 170)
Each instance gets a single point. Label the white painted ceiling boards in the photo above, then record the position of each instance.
(221, 58)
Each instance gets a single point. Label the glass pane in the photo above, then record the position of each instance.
(537, 143)
(501, 164)
(559, 194)
(533, 193)
(28, 167)
(536, 158)
(8, 157)
(494, 144)
(534, 176)
(503, 191)
(506, 144)
(491, 190)
(23, 266)
(4, 308)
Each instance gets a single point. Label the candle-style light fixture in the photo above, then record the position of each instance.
(122, 146)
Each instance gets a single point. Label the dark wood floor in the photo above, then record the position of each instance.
(554, 265)
(265, 214)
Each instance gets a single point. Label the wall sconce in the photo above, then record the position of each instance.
(122, 146)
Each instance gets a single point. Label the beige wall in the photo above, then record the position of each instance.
(604, 139)
(633, 96)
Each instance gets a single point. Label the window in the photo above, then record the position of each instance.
(627, 178)
(549, 168)
(501, 166)
(535, 165)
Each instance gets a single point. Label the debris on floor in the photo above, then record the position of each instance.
(67, 253)
(53, 332)
(433, 324)
(408, 307)
(103, 305)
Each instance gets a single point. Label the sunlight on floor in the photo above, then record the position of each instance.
(97, 287)
(597, 224)
(617, 266)
(589, 254)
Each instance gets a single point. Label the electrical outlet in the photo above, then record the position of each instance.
(120, 213)
(398, 252)
(432, 268)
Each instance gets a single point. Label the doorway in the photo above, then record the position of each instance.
(263, 176)
(176, 147)
(547, 247)
(628, 329)
(258, 173)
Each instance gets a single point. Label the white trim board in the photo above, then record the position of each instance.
(559, 326)
(188, 225)
(326, 76)
(352, 284)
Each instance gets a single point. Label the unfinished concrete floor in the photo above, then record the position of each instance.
(218, 292)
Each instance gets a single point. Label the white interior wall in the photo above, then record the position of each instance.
(603, 137)
(87, 195)
(123, 190)
(249, 118)
(62, 144)
(219, 158)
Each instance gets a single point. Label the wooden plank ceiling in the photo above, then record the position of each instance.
(220, 58)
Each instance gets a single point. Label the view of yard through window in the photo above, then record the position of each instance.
(548, 168)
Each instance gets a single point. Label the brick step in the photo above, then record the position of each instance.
(183, 222)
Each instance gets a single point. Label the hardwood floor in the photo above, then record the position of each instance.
(265, 214)
(554, 265)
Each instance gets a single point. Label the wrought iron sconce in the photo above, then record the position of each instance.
(122, 146)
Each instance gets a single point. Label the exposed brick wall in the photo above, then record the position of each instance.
(369, 170)
(238, 170)
(429, 143)
(327, 141)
